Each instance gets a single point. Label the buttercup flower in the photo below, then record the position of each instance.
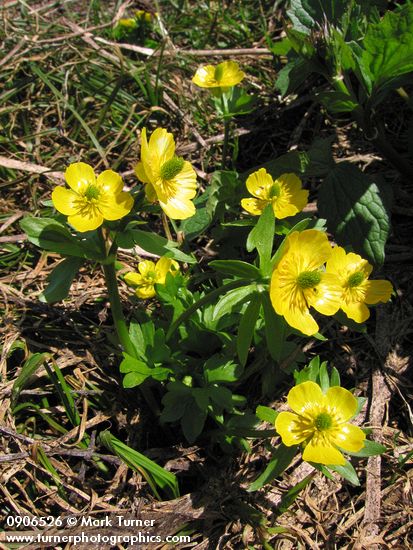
(151, 274)
(285, 194)
(224, 75)
(298, 281)
(90, 199)
(357, 291)
(169, 179)
(143, 15)
(127, 23)
(320, 423)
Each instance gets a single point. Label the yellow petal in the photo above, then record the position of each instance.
(341, 402)
(301, 320)
(305, 397)
(205, 77)
(357, 311)
(145, 267)
(115, 207)
(110, 182)
(178, 209)
(292, 428)
(161, 149)
(133, 279)
(163, 265)
(327, 296)
(64, 200)
(378, 291)
(79, 176)
(344, 265)
(228, 74)
(321, 451)
(310, 248)
(150, 193)
(283, 209)
(140, 173)
(348, 437)
(87, 221)
(253, 206)
(145, 291)
(259, 183)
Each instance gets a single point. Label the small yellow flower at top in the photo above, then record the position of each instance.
(151, 274)
(90, 199)
(145, 16)
(299, 282)
(353, 274)
(285, 194)
(321, 423)
(169, 179)
(127, 23)
(224, 75)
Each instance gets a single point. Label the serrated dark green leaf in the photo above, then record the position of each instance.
(60, 280)
(221, 369)
(309, 14)
(357, 211)
(336, 102)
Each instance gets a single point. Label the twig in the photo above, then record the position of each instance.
(30, 167)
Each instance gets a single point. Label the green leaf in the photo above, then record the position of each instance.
(64, 392)
(281, 459)
(323, 377)
(155, 244)
(155, 475)
(371, 448)
(388, 50)
(51, 235)
(196, 225)
(289, 497)
(334, 377)
(60, 280)
(193, 421)
(293, 75)
(357, 211)
(29, 367)
(221, 396)
(232, 299)
(221, 369)
(266, 414)
(262, 238)
(347, 471)
(224, 190)
(275, 328)
(246, 329)
(138, 371)
(309, 14)
(240, 103)
(336, 101)
(237, 268)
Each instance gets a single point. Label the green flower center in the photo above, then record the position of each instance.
(323, 421)
(92, 192)
(355, 279)
(218, 73)
(308, 279)
(274, 191)
(171, 168)
(151, 276)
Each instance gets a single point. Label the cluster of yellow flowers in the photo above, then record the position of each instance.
(313, 274)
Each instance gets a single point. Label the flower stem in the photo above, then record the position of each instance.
(116, 308)
(225, 146)
(166, 227)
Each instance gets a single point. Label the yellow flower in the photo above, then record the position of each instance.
(357, 291)
(284, 194)
(320, 422)
(169, 179)
(143, 15)
(90, 199)
(127, 23)
(151, 274)
(224, 75)
(298, 281)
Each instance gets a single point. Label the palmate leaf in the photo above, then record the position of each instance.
(308, 14)
(357, 211)
(388, 50)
